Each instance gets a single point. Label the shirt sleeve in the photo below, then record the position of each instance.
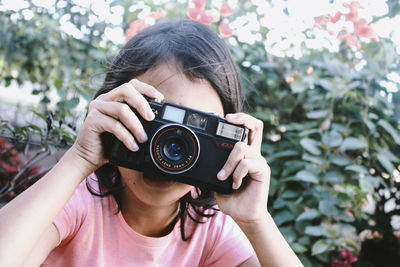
(71, 217)
(228, 246)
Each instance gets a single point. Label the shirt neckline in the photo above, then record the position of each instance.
(147, 240)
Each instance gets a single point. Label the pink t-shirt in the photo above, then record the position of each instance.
(91, 234)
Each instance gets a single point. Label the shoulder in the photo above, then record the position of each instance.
(226, 244)
(216, 228)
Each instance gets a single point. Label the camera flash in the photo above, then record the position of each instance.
(230, 131)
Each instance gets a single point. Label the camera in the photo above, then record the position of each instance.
(185, 145)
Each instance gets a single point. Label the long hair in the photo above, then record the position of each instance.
(199, 53)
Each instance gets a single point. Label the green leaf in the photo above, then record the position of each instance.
(352, 143)
(319, 247)
(316, 160)
(332, 139)
(334, 177)
(298, 86)
(72, 103)
(357, 168)
(345, 217)
(365, 185)
(388, 154)
(314, 230)
(298, 248)
(279, 203)
(390, 130)
(310, 145)
(289, 234)
(283, 216)
(371, 126)
(306, 176)
(324, 84)
(308, 215)
(283, 154)
(58, 83)
(340, 160)
(304, 240)
(340, 128)
(317, 114)
(290, 194)
(385, 162)
(328, 205)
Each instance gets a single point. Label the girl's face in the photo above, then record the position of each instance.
(178, 89)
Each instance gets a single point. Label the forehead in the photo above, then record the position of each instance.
(179, 89)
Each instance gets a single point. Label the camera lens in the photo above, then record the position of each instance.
(174, 148)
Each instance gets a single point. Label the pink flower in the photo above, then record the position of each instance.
(353, 5)
(353, 13)
(160, 13)
(336, 263)
(225, 29)
(337, 17)
(349, 39)
(362, 29)
(204, 18)
(226, 10)
(199, 4)
(352, 259)
(351, 16)
(134, 27)
(194, 13)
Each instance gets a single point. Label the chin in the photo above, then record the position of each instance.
(153, 190)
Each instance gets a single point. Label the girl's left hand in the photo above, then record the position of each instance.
(251, 174)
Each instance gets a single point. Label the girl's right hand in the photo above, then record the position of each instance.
(110, 112)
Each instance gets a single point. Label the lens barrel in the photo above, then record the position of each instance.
(174, 148)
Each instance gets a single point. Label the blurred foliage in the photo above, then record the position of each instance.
(332, 135)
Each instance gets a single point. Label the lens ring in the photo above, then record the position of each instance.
(177, 160)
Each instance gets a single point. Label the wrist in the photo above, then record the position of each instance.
(257, 225)
(79, 162)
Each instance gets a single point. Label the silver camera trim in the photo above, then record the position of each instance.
(151, 151)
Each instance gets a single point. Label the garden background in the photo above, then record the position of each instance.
(325, 85)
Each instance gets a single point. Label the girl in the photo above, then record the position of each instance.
(121, 217)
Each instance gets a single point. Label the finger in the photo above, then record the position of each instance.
(256, 168)
(147, 90)
(236, 155)
(130, 94)
(254, 125)
(240, 172)
(123, 113)
(109, 124)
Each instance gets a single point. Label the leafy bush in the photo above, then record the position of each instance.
(332, 134)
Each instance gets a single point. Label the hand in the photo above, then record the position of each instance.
(110, 112)
(251, 174)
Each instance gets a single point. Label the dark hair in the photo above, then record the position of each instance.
(200, 54)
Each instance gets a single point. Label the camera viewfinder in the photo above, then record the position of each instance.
(174, 114)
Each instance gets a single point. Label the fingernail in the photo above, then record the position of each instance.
(231, 116)
(135, 147)
(150, 115)
(160, 96)
(235, 186)
(221, 175)
(143, 137)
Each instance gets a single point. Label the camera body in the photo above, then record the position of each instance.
(185, 145)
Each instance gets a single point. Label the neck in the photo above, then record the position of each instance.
(146, 219)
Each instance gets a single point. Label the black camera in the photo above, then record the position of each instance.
(185, 145)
